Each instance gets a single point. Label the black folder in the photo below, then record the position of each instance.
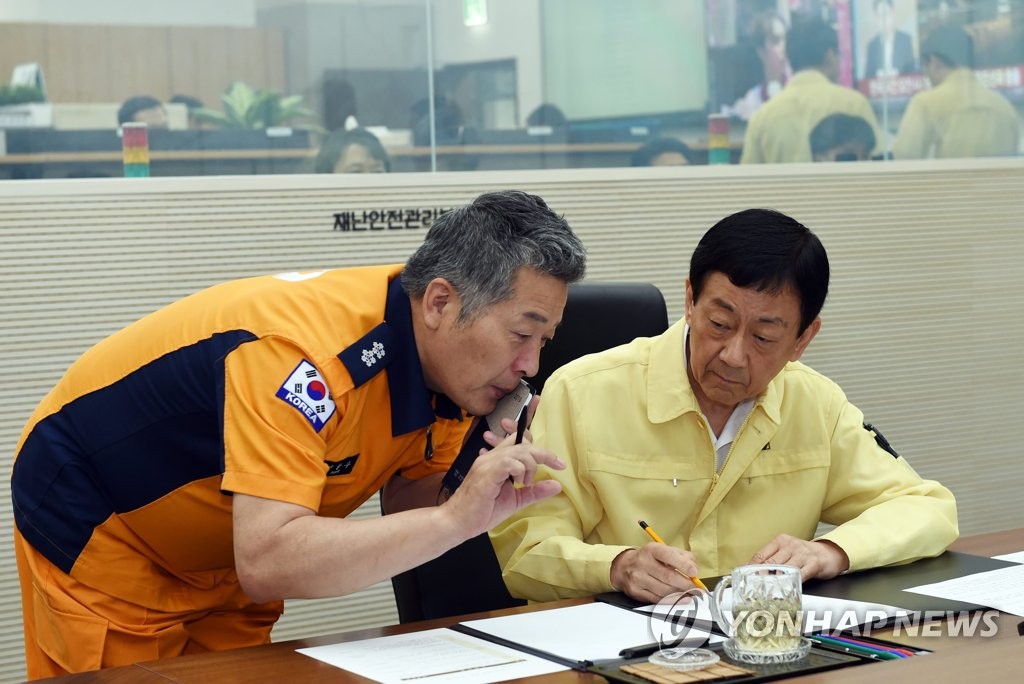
(886, 585)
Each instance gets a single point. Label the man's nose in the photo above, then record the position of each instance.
(734, 352)
(527, 361)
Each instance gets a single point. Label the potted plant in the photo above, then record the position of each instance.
(249, 108)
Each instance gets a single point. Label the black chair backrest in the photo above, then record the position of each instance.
(600, 316)
(467, 578)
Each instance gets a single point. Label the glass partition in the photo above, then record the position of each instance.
(325, 86)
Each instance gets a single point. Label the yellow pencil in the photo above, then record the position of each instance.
(654, 535)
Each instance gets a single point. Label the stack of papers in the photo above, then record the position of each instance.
(586, 633)
(1001, 589)
(433, 656)
(474, 652)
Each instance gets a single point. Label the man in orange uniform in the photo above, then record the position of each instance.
(195, 469)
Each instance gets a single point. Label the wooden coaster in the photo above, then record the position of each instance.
(663, 675)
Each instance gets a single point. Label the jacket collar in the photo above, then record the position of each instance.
(807, 77)
(413, 406)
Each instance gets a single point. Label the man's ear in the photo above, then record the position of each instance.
(688, 303)
(805, 339)
(439, 297)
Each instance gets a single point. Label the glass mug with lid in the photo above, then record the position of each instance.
(766, 619)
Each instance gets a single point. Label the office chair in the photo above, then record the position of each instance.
(467, 579)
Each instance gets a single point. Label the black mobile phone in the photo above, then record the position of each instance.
(513, 406)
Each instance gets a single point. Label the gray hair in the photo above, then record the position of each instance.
(479, 248)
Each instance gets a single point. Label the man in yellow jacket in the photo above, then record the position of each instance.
(959, 117)
(716, 434)
(780, 130)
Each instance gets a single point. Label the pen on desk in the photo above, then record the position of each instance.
(898, 650)
(640, 651)
(648, 649)
(654, 535)
(840, 645)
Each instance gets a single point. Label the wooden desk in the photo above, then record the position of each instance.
(995, 658)
(208, 162)
(108, 163)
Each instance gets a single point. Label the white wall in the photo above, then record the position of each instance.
(513, 31)
(131, 12)
(607, 58)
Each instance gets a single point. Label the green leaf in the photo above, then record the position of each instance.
(20, 94)
(245, 107)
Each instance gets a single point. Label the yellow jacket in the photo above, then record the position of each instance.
(780, 131)
(637, 447)
(958, 118)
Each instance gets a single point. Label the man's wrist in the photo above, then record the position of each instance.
(614, 576)
(842, 559)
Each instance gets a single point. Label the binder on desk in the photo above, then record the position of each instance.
(886, 585)
(547, 634)
(572, 663)
(575, 636)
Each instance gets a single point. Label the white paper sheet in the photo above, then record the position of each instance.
(677, 608)
(1016, 557)
(436, 656)
(699, 609)
(592, 631)
(1001, 589)
(825, 613)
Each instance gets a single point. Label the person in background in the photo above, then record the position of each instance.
(355, 151)
(768, 36)
(891, 51)
(191, 105)
(780, 130)
(448, 122)
(195, 469)
(716, 435)
(841, 137)
(339, 104)
(663, 152)
(546, 115)
(142, 109)
(958, 117)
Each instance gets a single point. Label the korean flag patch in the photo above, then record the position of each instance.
(307, 392)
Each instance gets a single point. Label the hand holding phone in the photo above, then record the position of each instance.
(512, 406)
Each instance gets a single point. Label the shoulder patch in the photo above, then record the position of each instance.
(369, 355)
(307, 392)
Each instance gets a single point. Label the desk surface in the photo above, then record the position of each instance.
(996, 658)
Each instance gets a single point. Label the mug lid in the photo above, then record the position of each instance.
(684, 659)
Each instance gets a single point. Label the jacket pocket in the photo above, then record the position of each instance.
(770, 462)
(67, 633)
(644, 467)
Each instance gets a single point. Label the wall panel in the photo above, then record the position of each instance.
(97, 63)
(920, 328)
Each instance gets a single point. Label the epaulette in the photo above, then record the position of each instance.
(368, 355)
